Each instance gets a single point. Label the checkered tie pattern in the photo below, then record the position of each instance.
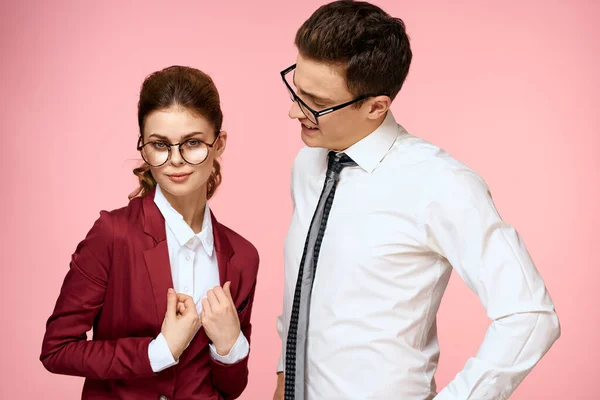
(296, 339)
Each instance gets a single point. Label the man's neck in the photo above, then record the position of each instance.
(361, 132)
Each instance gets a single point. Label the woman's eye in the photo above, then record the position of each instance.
(159, 145)
(193, 143)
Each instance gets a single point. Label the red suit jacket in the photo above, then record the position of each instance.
(117, 284)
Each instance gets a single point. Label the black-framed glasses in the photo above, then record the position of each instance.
(158, 152)
(313, 115)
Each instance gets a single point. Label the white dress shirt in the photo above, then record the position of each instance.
(400, 222)
(194, 270)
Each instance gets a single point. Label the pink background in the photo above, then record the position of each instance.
(510, 88)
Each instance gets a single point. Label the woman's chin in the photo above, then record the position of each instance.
(182, 189)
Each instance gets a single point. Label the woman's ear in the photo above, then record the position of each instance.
(220, 144)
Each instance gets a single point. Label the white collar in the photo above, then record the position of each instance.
(182, 231)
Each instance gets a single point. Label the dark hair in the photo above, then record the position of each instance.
(185, 87)
(372, 45)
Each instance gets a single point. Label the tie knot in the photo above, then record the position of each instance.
(337, 162)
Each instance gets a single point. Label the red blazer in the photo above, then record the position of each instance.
(117, 284)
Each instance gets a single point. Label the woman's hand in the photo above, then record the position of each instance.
(181, 322)
(220, 319)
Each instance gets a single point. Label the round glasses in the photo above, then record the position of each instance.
(158, 152)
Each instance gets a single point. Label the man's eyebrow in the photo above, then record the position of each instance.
(311, 95)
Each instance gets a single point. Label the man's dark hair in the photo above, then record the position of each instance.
(372, 45)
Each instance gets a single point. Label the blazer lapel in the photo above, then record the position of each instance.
(227, 270)
(157, 257)
(159, 266)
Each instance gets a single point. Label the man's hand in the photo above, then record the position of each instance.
(219, 318)
(279, 390)
(181, 322)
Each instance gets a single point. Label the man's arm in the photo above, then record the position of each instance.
(279, 389)
(464, 227)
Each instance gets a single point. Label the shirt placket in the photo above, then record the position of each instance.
(186, 270)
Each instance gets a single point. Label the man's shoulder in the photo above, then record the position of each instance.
(308, 156)
(432, 165)
(308, 162)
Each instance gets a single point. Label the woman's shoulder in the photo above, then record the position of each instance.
(241, 246)
(128, 216)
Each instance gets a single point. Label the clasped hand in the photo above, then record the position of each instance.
(218, 317)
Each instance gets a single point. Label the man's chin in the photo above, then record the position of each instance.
(312, 140)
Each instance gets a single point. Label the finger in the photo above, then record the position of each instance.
(212, 298)
(180, 307)
(206, 309)
(171, 304)
(189, 307)
(227, 290)
(181, 297)
(221, 295)
(184, 299)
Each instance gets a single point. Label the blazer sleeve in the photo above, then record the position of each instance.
(65, 348)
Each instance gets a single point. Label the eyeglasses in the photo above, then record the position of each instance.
(157, 153)
(312, 115)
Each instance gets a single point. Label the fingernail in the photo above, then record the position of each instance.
(170, 292)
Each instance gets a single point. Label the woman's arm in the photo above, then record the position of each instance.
(231, 379)
(65, 348)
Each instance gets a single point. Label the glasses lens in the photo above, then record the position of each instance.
(307, 113)
(292, 90)
(291, 94)
(155, 153)
(194, 151)
(289, 85)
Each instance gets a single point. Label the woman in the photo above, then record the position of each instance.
(167, 290)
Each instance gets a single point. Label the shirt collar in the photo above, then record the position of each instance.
(181, 230)
(370, 150)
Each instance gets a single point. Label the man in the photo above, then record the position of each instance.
(380, 219)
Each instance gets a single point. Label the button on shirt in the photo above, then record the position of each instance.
(194, 270)
(403, 219)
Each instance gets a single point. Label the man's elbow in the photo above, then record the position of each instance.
(550, 327)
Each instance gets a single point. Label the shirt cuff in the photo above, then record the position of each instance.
(159, 354)
(239, 351)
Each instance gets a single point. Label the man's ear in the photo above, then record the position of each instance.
(378, 106)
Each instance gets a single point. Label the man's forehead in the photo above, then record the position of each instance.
(319, 78)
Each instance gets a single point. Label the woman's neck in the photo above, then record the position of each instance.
(191, 207)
